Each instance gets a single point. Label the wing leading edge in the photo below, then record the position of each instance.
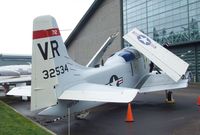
(99, 93)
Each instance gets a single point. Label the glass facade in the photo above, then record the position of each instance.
(172, 21)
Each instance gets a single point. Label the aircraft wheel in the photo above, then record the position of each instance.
(169, 97)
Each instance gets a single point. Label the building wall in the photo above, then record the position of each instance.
(104, 22)
(191, 54)
(174, 21)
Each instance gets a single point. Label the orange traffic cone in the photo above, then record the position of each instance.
(198, 101)
(129, 114)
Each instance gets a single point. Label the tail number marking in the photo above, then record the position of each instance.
(44, 51)
(53, 72)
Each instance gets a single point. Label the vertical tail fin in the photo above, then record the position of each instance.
(50, 63)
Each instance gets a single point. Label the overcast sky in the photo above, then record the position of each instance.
(17, 17)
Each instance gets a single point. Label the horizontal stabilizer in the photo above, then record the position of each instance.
(99, 93)
(172, 65)
(20, 91)
(159, 82)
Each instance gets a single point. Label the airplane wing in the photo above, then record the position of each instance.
(159, 82)
(20, 91)
(172, 65)
(100, 93)
(95, 59)
(20, 79)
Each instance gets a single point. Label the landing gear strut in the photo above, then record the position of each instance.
(169, 97)
(6, 87)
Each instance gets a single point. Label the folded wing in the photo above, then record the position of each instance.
(96, 58)
(172, 65)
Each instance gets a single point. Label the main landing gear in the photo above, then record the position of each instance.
(6, 87)
(169, 97)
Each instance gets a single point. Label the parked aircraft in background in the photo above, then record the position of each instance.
(59, 83)
(17, 75)
(14, 71)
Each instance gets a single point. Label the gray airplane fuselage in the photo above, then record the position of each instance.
(123, 69)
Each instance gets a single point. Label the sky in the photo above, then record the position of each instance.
(17, 17)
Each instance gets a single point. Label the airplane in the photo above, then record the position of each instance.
(12, 71)
(59, 83)
(17, 75)
(11, 75)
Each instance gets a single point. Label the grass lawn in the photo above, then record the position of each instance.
(12, 123)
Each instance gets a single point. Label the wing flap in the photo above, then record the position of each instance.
(20, 91)
(99, 93)
(159, 82)
(164, 59)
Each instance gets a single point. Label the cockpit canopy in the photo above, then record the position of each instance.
(127, 55)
